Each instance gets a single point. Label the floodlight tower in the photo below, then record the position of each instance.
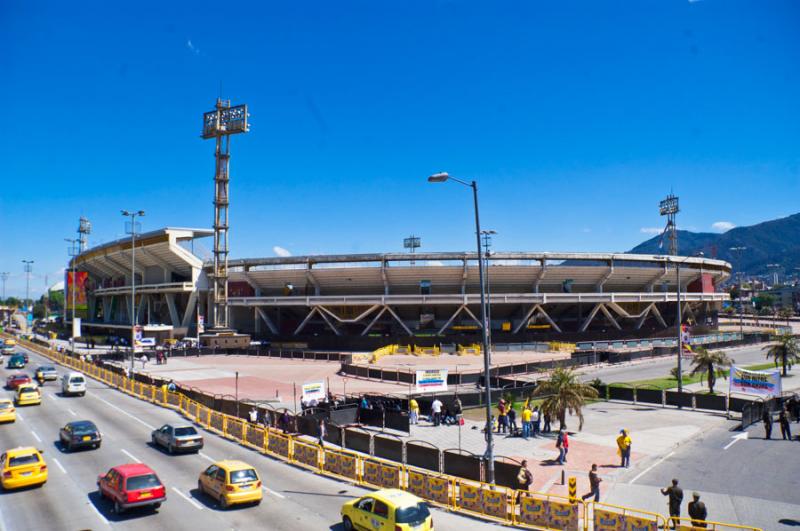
(84, 229)
(413, 243)
(669, 207)
(4, 277)
(220, 124)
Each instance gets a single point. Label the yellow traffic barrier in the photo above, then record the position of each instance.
(306, 454)
(381, 474)
(466, 350)
(608, 517)
(490, 501)
(573, 489)
(278, 444)
(341, 463)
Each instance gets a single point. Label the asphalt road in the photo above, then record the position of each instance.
(294, 499)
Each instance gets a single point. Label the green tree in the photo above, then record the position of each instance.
(786, 313)
(563, 392)
(784, 349)
(711, 363)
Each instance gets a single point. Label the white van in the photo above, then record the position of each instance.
(73, 383)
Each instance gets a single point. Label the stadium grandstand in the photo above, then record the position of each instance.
(364, 301)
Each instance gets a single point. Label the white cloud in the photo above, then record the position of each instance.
(280, 251)
(192, 47)
(651, 230)
(586, 230)
(722, 226)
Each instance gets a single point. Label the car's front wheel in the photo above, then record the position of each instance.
(347, 524)
(223, 501)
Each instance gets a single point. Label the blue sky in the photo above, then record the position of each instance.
(575, 118)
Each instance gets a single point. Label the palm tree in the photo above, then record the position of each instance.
(784, 349)
(712, 363)
(564, 392)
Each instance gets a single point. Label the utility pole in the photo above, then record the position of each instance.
(73, 250)
(486, 235)
(4, 277)
(737, 251)
(133, 214)
(28, 267)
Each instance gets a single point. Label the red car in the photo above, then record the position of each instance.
(15, 380)
(132, 485)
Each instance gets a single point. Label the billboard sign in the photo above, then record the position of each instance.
(76, 327)
(201, 324)
(313, 391)
(432, 380)
(76, 280)
(760, 383)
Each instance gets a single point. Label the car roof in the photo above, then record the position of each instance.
(27, 387)
(20, 375)
(22, 450)
(396, 497)
(133, 469)
(233, 464)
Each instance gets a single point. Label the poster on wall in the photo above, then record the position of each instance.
(76, 280)
(761, 383)
(433, 380)
(313, 391)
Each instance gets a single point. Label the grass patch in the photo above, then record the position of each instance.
(668, 382)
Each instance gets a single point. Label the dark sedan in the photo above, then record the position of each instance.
(79, 434)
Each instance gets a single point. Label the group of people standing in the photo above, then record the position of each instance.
(784, 419)
(440, 413)
(532, 420)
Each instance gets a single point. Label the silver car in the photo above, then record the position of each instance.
(183, 438)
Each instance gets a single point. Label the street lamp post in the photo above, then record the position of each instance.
(134, 320)
(73, 252)
(440, 178)
(680, 319)
(28, 268)
(487, 242)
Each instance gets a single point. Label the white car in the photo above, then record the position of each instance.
(73, 383)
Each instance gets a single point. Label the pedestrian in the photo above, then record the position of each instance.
(436, 411)
(171, 386)
(524, 479)
(526, 421)
(144, 360)
(783, 420)
(546, 428)
(502, 419)
(675, 498)
(594, 485)
(624, 448)
(322, 432)
(253, 415)
(413, 411)
(536, 419)
(283, 421)
(562, 443)
(512, 421)
(364, 403)
(697, 511)
(458, 409)
(766, 417)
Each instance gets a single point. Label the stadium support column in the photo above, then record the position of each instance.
(220, 124)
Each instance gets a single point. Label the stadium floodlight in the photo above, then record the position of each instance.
(669, 205)
(487, 382)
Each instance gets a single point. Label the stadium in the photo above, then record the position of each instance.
(365, 301)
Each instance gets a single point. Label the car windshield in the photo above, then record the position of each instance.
(21, 460)
(188, 430)
(5, 405)
(243, 476)
(26, 389)
(48, 368)
(143, 482)
(84, 427)
(76, 379)
(412, 515)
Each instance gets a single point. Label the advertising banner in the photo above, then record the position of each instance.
(434, 380)
(761, 383)
(76, 327)
(201, 324)
(313, 391)
(77, 281)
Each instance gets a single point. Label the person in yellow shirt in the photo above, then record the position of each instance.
(624, 448)
(413, 411)
(526, 421)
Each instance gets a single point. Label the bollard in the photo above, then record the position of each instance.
(573, 489)
(563, 477)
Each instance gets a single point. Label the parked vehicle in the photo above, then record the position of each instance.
(79, 434)
(182, 438)
(132, 485)
(73, 383)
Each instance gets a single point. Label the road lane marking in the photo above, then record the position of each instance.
(19, 416)
(36, 436)
(126, 452)
(187, 498)
(59, 465)
(206, 457)
(134, 417)
(72, 412)
(278, 494)
(98, 513)
(651, 467)
(736, 438)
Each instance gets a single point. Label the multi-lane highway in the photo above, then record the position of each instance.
(294, 499)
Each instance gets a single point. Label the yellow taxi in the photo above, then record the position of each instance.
(387, 509)
(23, 467)
(28, 395)
(231, 482)
(8, 412)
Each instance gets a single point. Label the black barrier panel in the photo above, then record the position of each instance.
(713, 402)
(333, 434)
(397, 420)
(422, 456)
(390, 376)
(505, 474)
(675, 398)
(649, 396)
(737, 404)
(620, 393)
(308, 425)
(466, 466)
(471, 399)
(406, 377)
(374, 373)
(356, 440)
(470, 377)
(370, 417)
(344, 416)
(388, 448)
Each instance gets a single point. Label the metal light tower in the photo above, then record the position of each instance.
(669, 207)
(28, 267)
(4, 277)
(84, 229)
(134, 317)
(486, 235)
(413, 243)
(73, 250)
(220, 124)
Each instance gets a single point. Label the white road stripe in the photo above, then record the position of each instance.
(278, 494)
(36, 436)
(72, 412)
(206, 457)
(59, 465)
(98, 513)
(19, 416)
(126, 452)
(137, 419)
(187, 498)
(651, 467)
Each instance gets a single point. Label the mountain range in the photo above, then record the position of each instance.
(771, 242)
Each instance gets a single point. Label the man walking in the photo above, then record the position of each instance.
(767, 418)
(697, 511)
(526, 421)
(536, 418)
(675, 498)
(436, 411)
(524, 479)
(562, 443)
(594, 485)
(783, 420)
(624, 448)
(458, 409)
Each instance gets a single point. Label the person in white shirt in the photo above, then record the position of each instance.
(536, 421)
(436, 411)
